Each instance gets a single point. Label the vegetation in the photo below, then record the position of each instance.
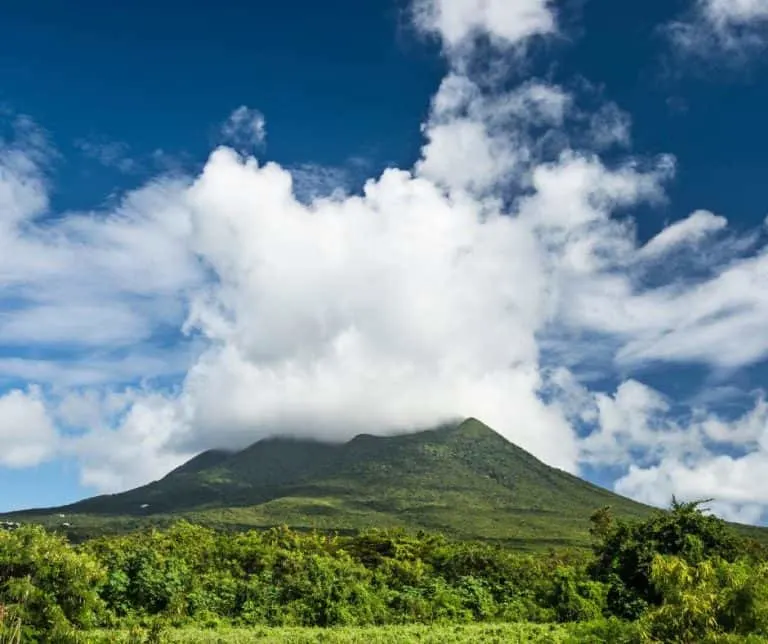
(440, 634)
(676, 576)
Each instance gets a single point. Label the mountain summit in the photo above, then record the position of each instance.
(463, 479)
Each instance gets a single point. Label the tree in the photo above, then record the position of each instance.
(625, 551)
(48, 586)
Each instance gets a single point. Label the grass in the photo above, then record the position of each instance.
(586, 633)
(443, 634)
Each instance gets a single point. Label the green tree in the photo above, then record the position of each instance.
(47, 585)
(702, 601)
(625, 551)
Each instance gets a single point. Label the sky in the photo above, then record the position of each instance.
(226, 221)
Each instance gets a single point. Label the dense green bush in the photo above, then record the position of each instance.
(703, 601)
(679, 576)
(625, 551)
(47, 587)
(282, 578)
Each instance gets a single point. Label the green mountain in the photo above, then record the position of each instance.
(462, 479)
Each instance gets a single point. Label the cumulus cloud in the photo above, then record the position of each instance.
(669, 449)
(722, 26)
(142, 425)
(507, 22)
(476, 140)
(27, 433)
(733, 482)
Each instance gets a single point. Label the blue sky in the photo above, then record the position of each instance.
(562, 232)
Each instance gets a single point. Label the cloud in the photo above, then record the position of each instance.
(79, 290)
(361, 302)
(732, 482)
(27, 434)
(734, 27)
(23, 189)
(610, 126)
(689, 231)
(693, 455)
(726, 14)
(110, 154)
(506, 22)
(671, 449)
(146, 423)
(244, 129)
(95, 278)
(476, 140)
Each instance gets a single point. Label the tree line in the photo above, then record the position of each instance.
(678, 576)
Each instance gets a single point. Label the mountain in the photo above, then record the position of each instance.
(462, 479)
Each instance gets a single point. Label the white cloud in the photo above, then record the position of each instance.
(697, 456)
(733, 482)
(475, 140)
(689, 231)
(507, 22)
(132, 453)
(23, 191)
(667, 449)
(91, 279)
(360, 302)
(633, 418)
(728, 13)
(722, 26)
(454, 143)
(245, 129)
(27, 434)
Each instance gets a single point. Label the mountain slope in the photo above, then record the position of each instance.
(463, 479)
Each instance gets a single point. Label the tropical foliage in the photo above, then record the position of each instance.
(677, 576)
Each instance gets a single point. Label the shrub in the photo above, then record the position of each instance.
(47, 586)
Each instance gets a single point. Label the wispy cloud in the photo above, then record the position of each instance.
(722, 27)
(245, 129)
(110, 154)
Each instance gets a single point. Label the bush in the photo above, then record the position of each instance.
(703, 601)
(687, 583)
(47, 586)
(625, 551)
